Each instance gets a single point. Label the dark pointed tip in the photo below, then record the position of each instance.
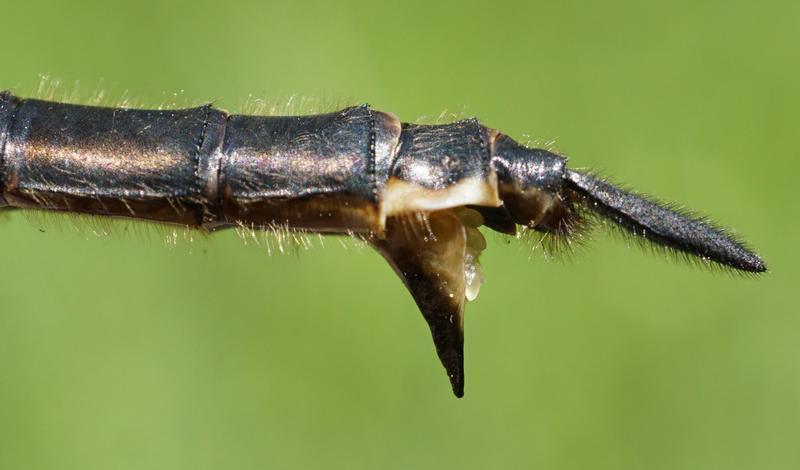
(448, 337)
(457, 379)
(757, 267)
(450, 349)
(745, 260)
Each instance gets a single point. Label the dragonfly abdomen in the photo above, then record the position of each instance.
(338, 172)
(416, 193)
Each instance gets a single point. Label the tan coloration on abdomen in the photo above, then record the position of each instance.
(400, 197)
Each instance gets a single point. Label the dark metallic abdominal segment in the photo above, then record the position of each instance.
(417, 193)
(311, 172)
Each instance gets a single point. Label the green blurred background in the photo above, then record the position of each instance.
(125, 352)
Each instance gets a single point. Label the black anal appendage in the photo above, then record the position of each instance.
(663, 225)
(417, 193)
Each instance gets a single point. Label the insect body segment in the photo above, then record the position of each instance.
(417, 193)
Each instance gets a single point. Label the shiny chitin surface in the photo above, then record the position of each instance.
(417, 193)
